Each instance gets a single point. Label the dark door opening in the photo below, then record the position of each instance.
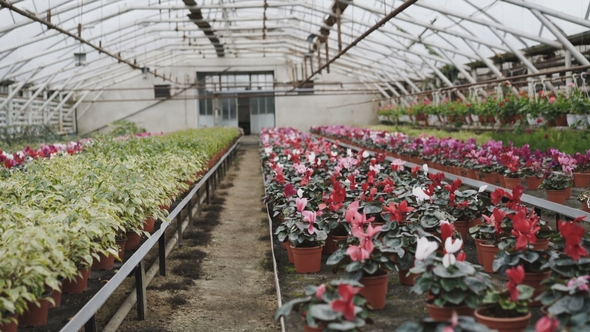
(244, 113)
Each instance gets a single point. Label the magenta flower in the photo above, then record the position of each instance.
(289, 190)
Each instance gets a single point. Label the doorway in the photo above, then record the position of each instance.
(244, 113)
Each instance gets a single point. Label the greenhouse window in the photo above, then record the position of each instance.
(162, 90)
(308, 86)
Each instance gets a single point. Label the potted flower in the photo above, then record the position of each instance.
(568, 300)
(306, 232)
(512, 169)
(582, 170)
(533, 174)
(584, 198)
(466, 207)
(507, 310)
(334, 306)
(456, 324)
(363, 258)
(451, 283)
(555, 186)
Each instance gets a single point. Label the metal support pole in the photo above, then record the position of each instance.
(190, 214)
(179, 228)
(90, 325)
(338, 14)
(208, 190)
(198, 203)
(140, 288)
(568, 64)
(327, 55)
(319, 49)
(162, 254)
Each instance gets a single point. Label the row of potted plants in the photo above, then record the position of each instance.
(571, 108)
(373, 216)
(492, 162)
(63, 215)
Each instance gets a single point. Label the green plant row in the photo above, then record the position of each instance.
(567, 141)
(58, 214)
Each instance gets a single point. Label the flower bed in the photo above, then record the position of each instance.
(490, 162)
(388, 217)
(59, 215)
(571, 108)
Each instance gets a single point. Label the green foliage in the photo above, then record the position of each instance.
(60, 213)
(567, 141)
(124, 127)
(15, 138)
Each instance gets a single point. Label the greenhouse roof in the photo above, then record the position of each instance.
(38, 38)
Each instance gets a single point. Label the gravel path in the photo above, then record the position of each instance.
(221, 280)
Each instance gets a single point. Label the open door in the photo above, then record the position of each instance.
(244, 113)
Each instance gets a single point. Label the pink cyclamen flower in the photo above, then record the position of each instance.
(552, 100)
(547, 324)
(310, 217)
(301, 203)
(320, 291)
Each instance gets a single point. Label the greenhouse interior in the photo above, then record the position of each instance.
(295, 165)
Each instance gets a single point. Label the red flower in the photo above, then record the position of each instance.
(497, 196)
(346, 304)
(515, 277)
(573, 233)
(525, 229)
(446, 230)
(539, 120)
(289, 190)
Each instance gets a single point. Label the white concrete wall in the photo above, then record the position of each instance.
(299, 112)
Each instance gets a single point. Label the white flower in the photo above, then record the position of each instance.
(420, 194)
(365, 154)
(300, 192)
(349, 152)
(296, 152)
(424, 248)
(334, 153)
(483, 188)
(267, 150)
(425, 168)
(276, 159)
(289, 157)
(347, 182)
(377, 168)
(451, 247)
(311, 157)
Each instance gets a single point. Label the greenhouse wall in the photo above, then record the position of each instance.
(300, 112)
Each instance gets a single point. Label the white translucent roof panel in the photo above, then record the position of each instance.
(155, 33)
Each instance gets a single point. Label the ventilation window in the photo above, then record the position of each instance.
(162, 91)
(305, 88)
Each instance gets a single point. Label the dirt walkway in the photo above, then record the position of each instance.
(221, 280)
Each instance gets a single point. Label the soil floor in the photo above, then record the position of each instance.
(221, 279)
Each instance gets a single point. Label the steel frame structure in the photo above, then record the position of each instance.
(395, 56)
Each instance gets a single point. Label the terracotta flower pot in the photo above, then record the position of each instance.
(516, 324)
(446, 313)
(407, 279)
(462, 226)
(542, 244)
(581, 180)
(534, 280)
(36, 314)
(104, 262)
(561, 121)
(511, 183)
(133, 240)
(121, 243)
(568, 193)
(55, 295)
(585, 207)
(149, 224)
(330, 246)
(11, 326)
(472, 174)
(489, 178)
(287, 245)
(79, 284)
(307, 260)
(533, 182)
(339, 238)
(556, 196)
(478, 250)
(502, 181)
(374, 290)
(488, 253)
